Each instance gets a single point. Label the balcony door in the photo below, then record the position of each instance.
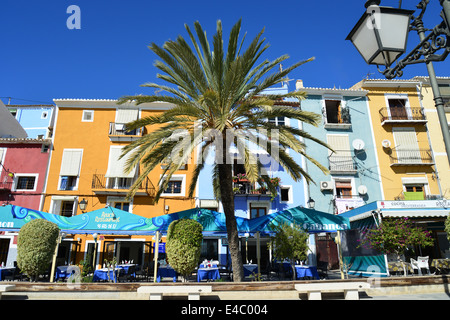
(397, 109)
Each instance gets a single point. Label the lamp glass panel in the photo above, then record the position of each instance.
(364, 39)
(393, 30)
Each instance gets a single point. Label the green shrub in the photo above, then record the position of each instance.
(36, 245)
(184, 240)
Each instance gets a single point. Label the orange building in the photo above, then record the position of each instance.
(85, 168)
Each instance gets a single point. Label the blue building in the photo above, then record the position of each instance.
(354, 178)
(250, 200)
(37, 120)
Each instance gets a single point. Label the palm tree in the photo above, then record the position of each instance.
(215, 93)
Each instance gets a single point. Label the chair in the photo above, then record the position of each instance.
(415, 266)
(422, 263)
(322, 269)
(224, 272)
(127, 276)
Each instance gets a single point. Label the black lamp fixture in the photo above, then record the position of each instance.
(82, 204)
(381, 34)
(311, 203)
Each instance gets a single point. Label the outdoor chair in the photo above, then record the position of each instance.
(127, 276)
(415, 266)
(322, 269)
(224, 272)
(422, 263)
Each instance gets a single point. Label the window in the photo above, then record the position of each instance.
(397, 109)
(173, 187)
(125, 206)
(88, 116)
(70, 169)
(256, 212)
(176, 186)
(278, 121)
(67, 208)
(116, 166)
(343, 189)
(341, 160)
(286, 194)
(406, 145)
(26, 183)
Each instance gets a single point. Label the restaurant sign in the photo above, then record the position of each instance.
(415, 204)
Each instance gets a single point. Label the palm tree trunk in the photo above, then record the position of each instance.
(227, 198)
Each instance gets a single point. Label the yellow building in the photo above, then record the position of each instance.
(434, 128)
(406, 162)
(85, 167)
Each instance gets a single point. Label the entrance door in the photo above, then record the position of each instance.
(4, 248)
(109, 251)
(326, 250)
(397, 108)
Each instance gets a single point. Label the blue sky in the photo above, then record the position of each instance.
(41, 59)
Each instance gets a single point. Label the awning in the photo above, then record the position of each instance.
(424, 213)
(312, 221)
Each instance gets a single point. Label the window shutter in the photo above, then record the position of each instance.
(341, 158)
(71, 162)
(116, 167)
(406, 145)
(126, 115)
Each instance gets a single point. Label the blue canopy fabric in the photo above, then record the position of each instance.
(114, 221)
(312, 221)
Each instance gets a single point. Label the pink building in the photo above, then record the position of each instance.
(23, 169)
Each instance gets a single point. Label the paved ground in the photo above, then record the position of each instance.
(422, 296)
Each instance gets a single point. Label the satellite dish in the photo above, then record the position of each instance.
(358, 144)
(386, 143)
(362, 189)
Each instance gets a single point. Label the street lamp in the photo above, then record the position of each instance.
(381, 36)
(311, 203)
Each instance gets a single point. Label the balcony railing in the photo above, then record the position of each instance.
(119, 129)
(402, 115)
(243, 187)
(102, 184)
(406, 157)
(342, 164)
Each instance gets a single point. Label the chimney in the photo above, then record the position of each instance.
(299, 84)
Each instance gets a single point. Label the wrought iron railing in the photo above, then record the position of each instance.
(403, 114)
(119, 129)
(241, 187)
(411, 157)
(341, 163)
(101, 182)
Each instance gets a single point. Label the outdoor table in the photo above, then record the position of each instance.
(4, 271)
(61, 272)
(166, 271)
(102, 274)
(249, 269)
(396, 266)
(208, 273)
(306, 271)
(441, 264)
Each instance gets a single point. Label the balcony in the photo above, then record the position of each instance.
(342, 165)
(242, 187)
(120, 186)
(405, 157)
(118, 132)
(402, 115)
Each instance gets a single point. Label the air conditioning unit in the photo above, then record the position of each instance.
(326, 185)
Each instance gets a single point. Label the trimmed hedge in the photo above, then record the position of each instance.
(184, 241)
(36, 245)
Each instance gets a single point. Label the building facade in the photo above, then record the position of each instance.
(400, 130)
(85, 168)
(36, 120)
(434, 129)
(353, 178)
